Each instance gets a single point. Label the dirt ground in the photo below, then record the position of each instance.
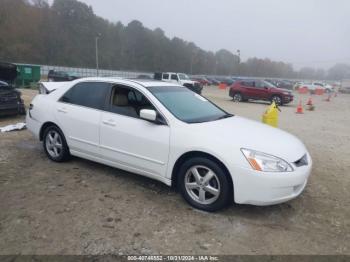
(81, 207)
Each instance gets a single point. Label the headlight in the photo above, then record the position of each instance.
(286, 93)
(266, 163)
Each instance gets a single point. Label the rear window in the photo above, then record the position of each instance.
(88, 94)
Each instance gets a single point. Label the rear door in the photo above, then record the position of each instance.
(130, 142)
(261, 90)
(248, 87)
(78, 113)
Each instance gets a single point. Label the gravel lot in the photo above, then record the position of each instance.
(81, 207)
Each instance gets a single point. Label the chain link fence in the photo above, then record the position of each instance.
(88, 72)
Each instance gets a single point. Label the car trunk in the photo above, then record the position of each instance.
(10, 98)
(8, 72)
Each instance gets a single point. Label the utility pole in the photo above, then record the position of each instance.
(96, 46)
(239, 61)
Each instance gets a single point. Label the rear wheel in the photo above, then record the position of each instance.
(237, 97)
(204, 184)
(55, 144)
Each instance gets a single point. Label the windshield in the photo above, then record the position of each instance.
(183, 77)
(187, 105)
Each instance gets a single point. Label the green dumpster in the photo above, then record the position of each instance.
(27, 74)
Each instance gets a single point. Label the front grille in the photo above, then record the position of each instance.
(302, 161)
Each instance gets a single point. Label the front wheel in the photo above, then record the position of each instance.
(237, 97)
(204, 184)
(277, 100)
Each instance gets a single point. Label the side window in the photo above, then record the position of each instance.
(259, 84)
(128, 101)
(174, 77)
(88, 94)
(166, 76)
(248, 83)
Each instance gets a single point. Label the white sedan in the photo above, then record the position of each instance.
(169, 133)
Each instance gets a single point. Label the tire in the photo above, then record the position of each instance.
(237, 97)
(22, 111)
(277, 99)
(211, 195)
(55, 145)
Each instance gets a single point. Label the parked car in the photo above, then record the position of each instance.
(10, 98)
(144, 77)
(243, 90)
(213, 81)
(345, 86)
(61, 76)
(171, 134)
(181, 79)
(225, 80)
(285, 84)
(312, 86)
(202, 80)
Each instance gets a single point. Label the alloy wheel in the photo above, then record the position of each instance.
(54, 144)
(277, 100)
(202, 185)
(237, 98)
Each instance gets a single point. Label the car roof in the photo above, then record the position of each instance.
(142, 82)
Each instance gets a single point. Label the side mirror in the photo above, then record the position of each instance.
(148, 114)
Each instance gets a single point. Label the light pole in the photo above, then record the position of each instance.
(96, 46)
(239, 61)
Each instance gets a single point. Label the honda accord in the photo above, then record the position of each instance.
(169, 133)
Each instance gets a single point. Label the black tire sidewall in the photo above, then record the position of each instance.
(239, 95)
(226, 192)
(65, 150)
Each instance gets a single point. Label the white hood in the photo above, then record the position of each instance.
(239, 133)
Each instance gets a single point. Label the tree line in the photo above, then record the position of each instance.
(32, 31)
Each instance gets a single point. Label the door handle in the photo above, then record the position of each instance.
(109, 122)
(62, 110)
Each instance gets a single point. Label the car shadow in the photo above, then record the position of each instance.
(233, 211)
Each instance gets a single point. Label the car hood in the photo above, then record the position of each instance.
(240, 132)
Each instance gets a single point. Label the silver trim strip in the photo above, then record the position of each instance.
(84, 141)
(134, 155)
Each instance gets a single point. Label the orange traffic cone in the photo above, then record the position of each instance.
(300, 109)
(309, 102)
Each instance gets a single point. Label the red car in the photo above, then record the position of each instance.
(242, 90)
(201, 80)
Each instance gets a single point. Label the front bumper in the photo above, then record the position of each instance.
(267, 188)
(12, 108)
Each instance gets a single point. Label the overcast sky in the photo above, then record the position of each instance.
(304, 32)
